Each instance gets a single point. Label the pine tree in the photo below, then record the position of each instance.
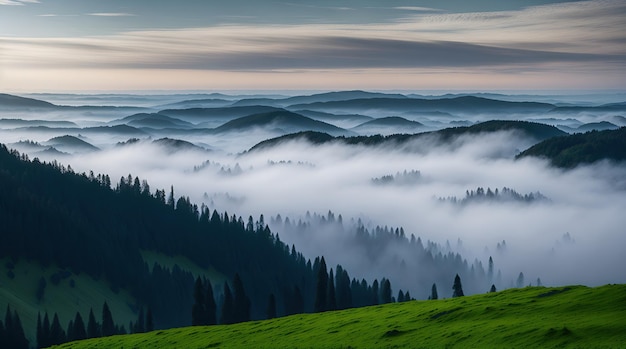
(457, 287)
(490, 270)
(227, 306)
(210, 306)
(93, 329)
(385, 292)
(270, 312)
(332, 299)
(321, 291)
(400, 298)
(17, 332)
(150, 321)
(433, 292)
(492, 289)
(45, 331)
(79, 327)
(374, 293)
(241, 302)
(57, 335)
(520, 280)
(108, 327)
(198, 312)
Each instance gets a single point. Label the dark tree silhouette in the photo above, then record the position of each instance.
(492, 289)
(241, 301)
(79, 332)
(270, 313)
(457, 287)
(332, 299)
(93, 330)
(108, 327)
(227, 306)
(433, 292)
(321, 293)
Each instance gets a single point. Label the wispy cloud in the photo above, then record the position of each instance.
(111, 14)
(18, 2)
(569, 38)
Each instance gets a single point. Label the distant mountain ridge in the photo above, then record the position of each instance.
(530, 129)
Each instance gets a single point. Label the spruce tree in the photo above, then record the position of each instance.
(57, 334)
(241, 302)
(385, 292)
(433, 292)
(270, 312)
(210, 306)
(321, 291)
(79, 327)
(108, 327)
(492, 289)
(520, 280)
(400, 298)
(332, 299)
(198, 308)
(93, 329)
(227, 306)
(457, 287)
(374, 293)
(150, 320)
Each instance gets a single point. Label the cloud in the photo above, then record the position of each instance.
(18, 2)
(111, 14)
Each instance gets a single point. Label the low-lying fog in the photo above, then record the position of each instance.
(296, 178)
(576, 236)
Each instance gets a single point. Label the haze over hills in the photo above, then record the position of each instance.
(371, 181)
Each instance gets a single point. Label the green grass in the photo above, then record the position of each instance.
(20, 294)
(534, 317)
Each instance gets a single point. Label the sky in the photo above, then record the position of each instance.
(206, 45)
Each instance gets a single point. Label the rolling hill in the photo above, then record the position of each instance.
(581, 148)
(69, 143)
(389, 125)
(212, 115)
(11, 101)
(152, 120)
(282, 121)
(535, 131)
(463, 105)
(532, 317)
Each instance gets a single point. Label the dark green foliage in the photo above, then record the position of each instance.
(433, 291)
(492, 289)
(271, 307)
(57, 334)
(332, 298)
(228, 307)
(12, 332)
(321, 293)
(93, 329)
(504, 195)
(581, 148)
(150, 320)
(79, 328)
(108, 326)
(241, 302)
(457, 287)
(385, 292)
(400, 297)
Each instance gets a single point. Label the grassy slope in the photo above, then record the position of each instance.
(20, 293)
(572, 317)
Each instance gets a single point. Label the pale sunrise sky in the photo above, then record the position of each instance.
(142, 45)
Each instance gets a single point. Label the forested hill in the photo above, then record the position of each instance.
(534, 130)
(79, 224)
(573, 150)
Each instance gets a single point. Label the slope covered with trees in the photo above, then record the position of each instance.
(80, 224)
(581, 148)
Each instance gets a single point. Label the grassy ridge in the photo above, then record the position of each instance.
(565, 317)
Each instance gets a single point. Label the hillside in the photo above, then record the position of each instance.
(11, 101)
(581, 148)
(389, 125)
(532, 317)
(148, 245)
(532, 130)
(285, 121)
